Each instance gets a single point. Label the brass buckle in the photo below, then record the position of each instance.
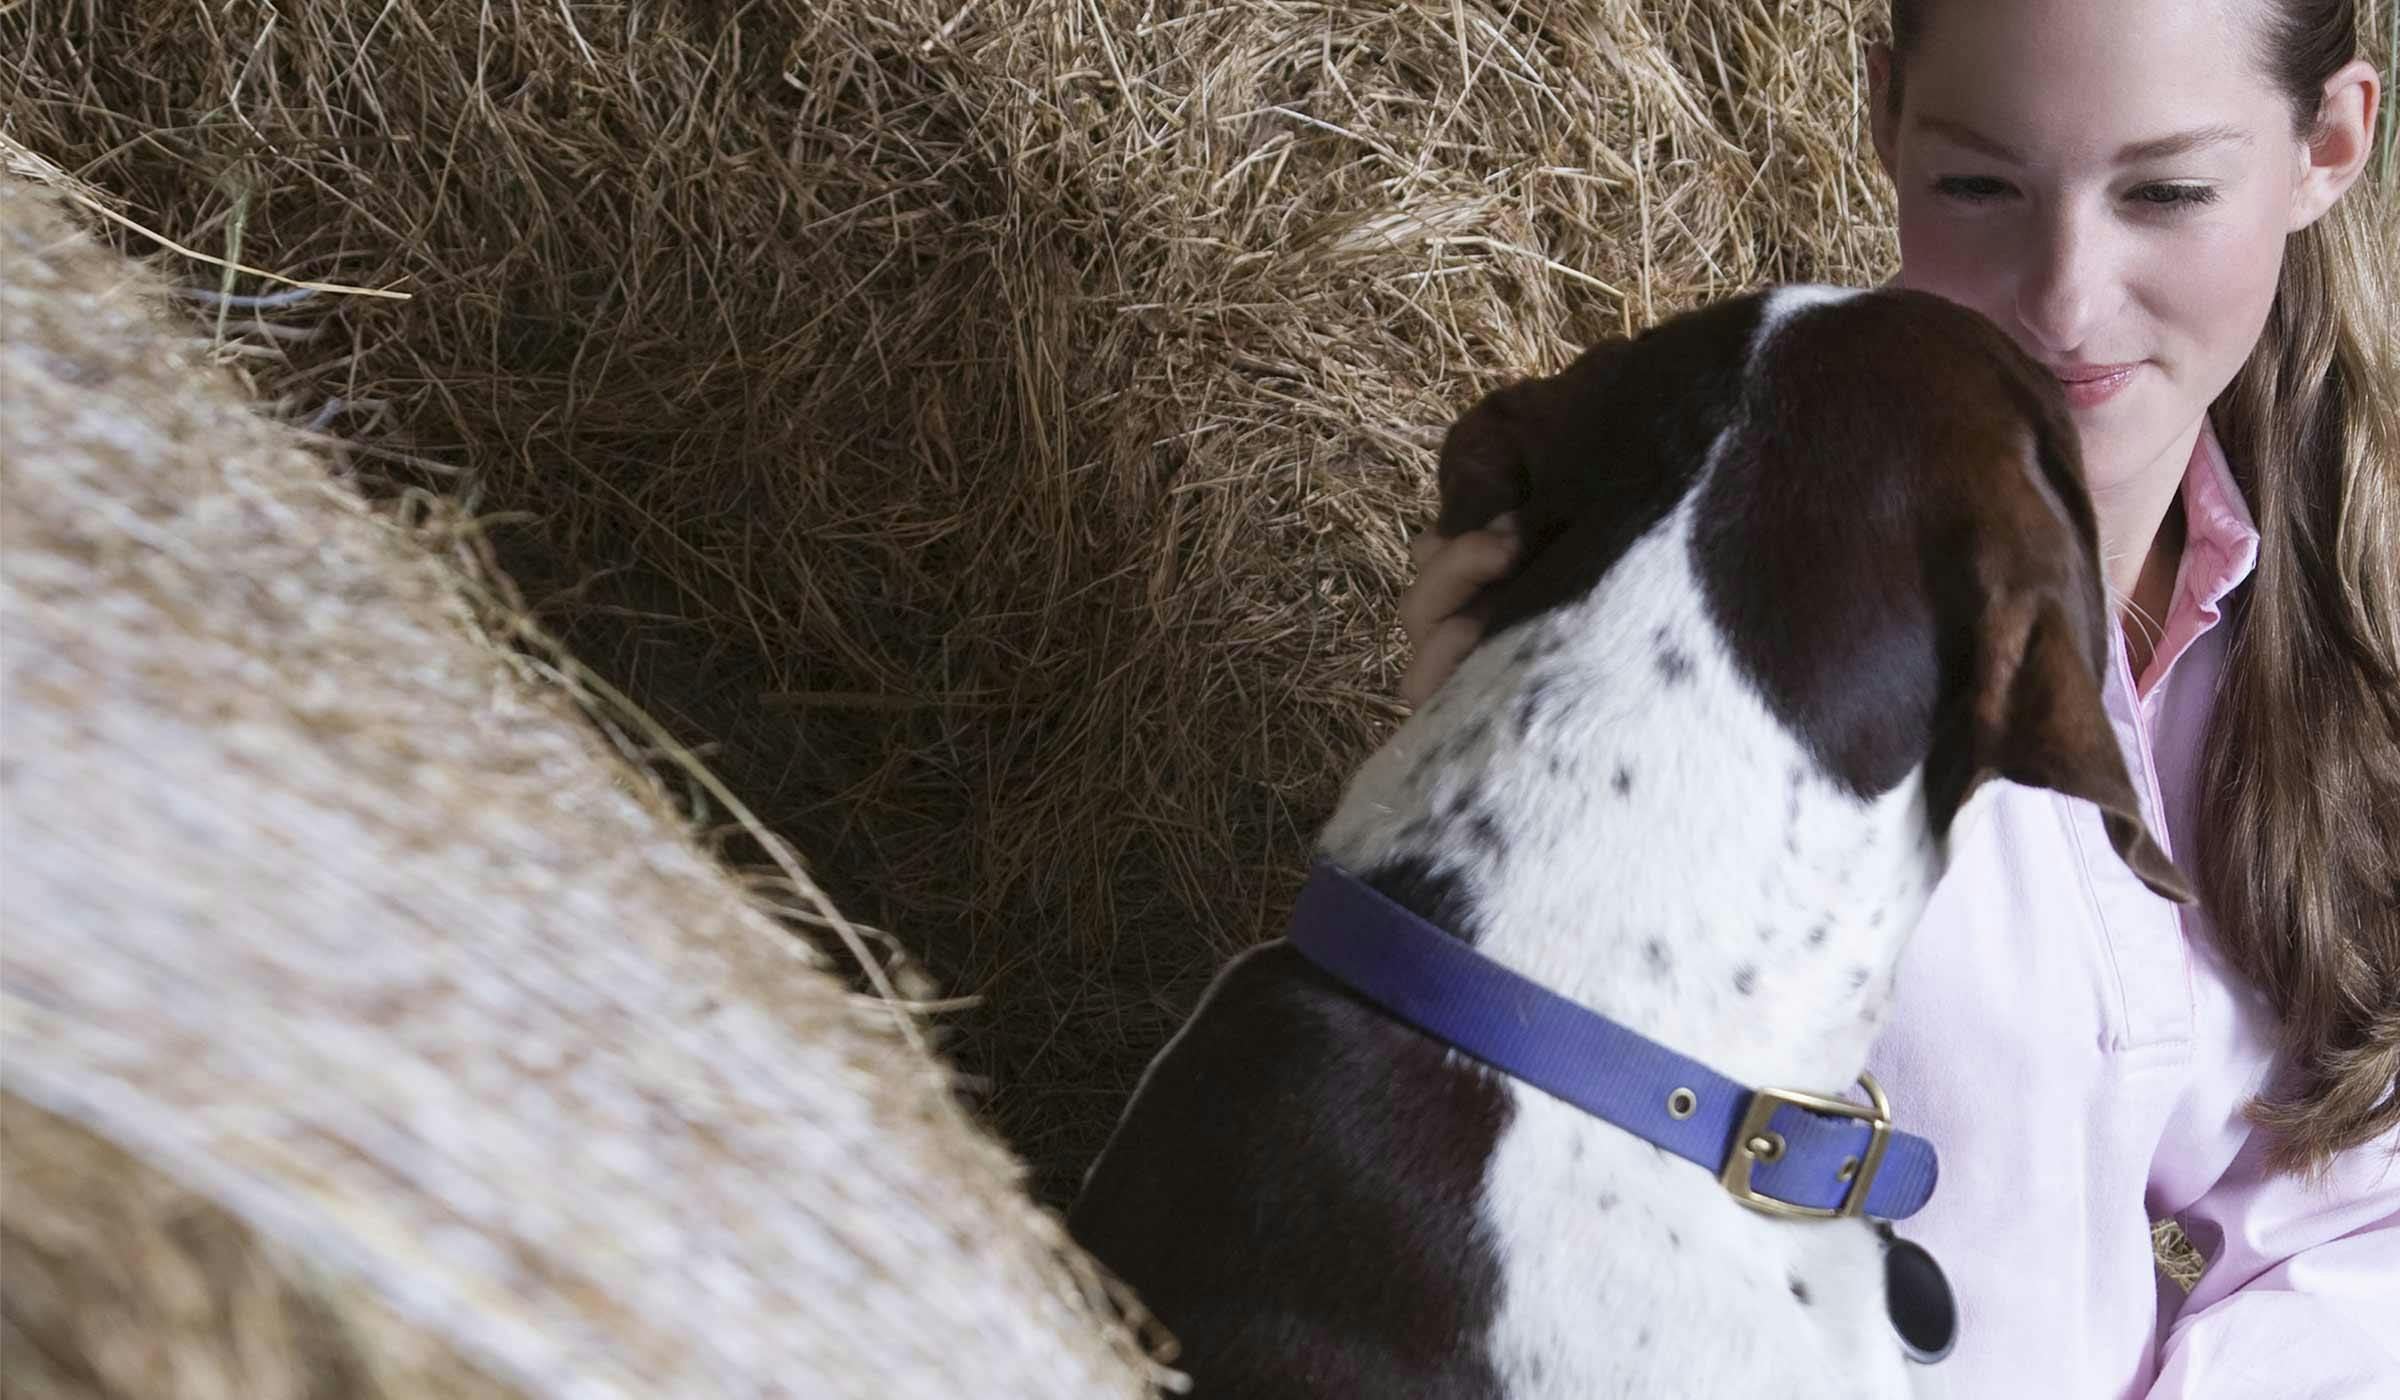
(1754, 1142)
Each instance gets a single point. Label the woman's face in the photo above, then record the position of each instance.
(2112, 185)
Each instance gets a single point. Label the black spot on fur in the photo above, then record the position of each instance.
(1674, 665)
(1556, 765)
(1486, 834)
(1800, 1291)
(1745, 980)
(1529, 706)
(1539, 645)
(1766, 933)
(1607, 1201)
(1642, 1338)
(1623, 781)
(1656, 954)
(1674, 1239)
(1816, 936)
(1435, 895)
(1858, 978)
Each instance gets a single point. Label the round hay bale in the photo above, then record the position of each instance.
(120, 1280)
(369, 1025)
(991, 429)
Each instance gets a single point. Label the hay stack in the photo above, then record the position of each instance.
(991, 427)
(370, 1028)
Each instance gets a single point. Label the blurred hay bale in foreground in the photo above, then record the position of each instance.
(369, 1026)
(992, 428)
(121, 1281)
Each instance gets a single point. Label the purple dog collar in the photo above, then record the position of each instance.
(1778, 1151)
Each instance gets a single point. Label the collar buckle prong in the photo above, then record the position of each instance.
(1754, 1142)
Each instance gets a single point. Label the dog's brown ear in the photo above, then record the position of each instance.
(1496, 454)
(1486, 466)
(2035, 717)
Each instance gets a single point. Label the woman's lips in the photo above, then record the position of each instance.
(2089, 386)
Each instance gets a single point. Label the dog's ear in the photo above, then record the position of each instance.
(2033, 715)
(1486, 466)
(2032, 710)
(1496, 456)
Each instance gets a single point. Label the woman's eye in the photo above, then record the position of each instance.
(1974, 189)
(2176, 196)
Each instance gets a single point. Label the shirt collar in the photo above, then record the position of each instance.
(2220, 549)
(2220, 546)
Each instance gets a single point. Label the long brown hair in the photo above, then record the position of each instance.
(2299, 850)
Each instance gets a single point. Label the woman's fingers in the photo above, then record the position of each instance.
(1451, 570)
(1436, 657)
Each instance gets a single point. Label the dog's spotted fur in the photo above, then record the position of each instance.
(1600, 1239)
(1642, 792)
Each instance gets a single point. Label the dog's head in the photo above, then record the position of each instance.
(1889, 524)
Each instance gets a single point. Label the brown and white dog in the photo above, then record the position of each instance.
(1803, 569)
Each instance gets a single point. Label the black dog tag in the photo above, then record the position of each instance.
(1918, 1297)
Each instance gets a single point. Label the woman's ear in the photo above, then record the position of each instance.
(2336, 152)
(1883, 120)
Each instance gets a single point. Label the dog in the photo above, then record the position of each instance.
(1803, 570)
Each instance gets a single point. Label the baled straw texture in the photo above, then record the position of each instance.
(992, 427)
(120, 1280)
(370, 1027)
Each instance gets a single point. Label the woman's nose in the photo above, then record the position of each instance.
(2066, 289)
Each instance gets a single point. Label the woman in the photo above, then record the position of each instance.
(2149, 196)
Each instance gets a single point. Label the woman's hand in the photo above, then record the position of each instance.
(1450, 570)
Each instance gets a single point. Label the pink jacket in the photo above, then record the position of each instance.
(2080, 1054)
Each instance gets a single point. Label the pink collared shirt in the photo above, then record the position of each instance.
(2080, 1055)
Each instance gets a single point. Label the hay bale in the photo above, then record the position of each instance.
(369, 1026)
(120, 1280)
(991, 428)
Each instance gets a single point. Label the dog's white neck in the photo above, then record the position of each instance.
(1635, 830)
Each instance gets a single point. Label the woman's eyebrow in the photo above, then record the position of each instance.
(1970, 138)
(2182, 143)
